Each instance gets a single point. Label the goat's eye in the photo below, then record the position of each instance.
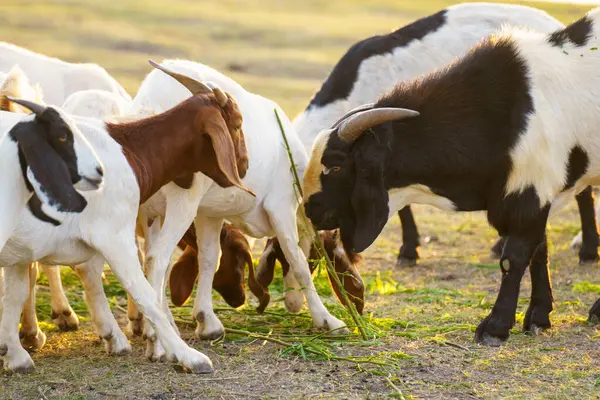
(326, 170)
(62, 139)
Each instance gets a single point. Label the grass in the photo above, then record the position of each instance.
(422, 318)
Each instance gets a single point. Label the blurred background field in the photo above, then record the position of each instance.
(283, 50)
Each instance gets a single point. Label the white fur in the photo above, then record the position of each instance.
(96, 103)
(14, 194)
(58, 78)
(466, 24)
(104, 230)
(272, 212)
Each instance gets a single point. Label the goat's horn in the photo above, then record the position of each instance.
(364, 107)
(35, 108)
(190, 84)
(219, 94)
(351, 128)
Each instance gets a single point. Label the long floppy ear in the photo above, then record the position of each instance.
(369, 202)
(183, 277)
(47, 172)
(227, 174)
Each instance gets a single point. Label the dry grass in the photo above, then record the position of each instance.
(425, 315)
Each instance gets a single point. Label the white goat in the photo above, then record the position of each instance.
(272, 212)
(58, 78)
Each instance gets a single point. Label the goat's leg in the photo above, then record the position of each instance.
(136, 319)
(286, 229)
(409, 253)
(208, 231)
(63, 315)
(182, 207)
(105, 324)
(120, 253)
(537, 317)
(524, 233)
(32, 338)
(588, 252)
(16, 291)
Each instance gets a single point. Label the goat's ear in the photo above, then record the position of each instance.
(370, 205)
(183, 277)
(228, 174)
(48, 174)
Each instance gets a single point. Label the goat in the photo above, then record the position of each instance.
(96, 103)
(58, 78)
(272, 211)
(44, 158)
(198, 139)
(497, 130)
(373, 65)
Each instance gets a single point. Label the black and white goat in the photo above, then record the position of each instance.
(501, 129)
(374, 65)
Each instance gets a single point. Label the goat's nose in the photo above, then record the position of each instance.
(100, 171)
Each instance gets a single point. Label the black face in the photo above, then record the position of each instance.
(60, 138)
(352, 196)
(46, 146)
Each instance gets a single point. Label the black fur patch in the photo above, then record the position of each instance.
(340, 82)
(577, 33)
(35, 206)
(577, 167)
(46, 145)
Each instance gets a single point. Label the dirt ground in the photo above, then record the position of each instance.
(422, 319)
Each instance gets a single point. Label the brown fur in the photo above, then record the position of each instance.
(191, 137)
(229, 278)
(344, 265)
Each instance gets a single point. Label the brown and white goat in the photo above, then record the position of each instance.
(139, 158)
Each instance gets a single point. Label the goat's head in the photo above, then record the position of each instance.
(59, 158)
(344, 179)
(229, 109)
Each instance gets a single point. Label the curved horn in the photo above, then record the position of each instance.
(364, 107)
(190, 84)
(219, 94)
(36, 108)
(351, 128)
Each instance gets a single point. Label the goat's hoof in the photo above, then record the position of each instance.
(117, 344)
(33, 341)
(65, 320)
(406, 262)
(3, 350)
(594, 315)
(492, 332)
(537, 319)
(332, 324)
(209, 326)
(20, 362)
(136, 327)
(293, 300)
(195, 362)
(155, 352)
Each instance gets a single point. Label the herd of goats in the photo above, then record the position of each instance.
(478, 107)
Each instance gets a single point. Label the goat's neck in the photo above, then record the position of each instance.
(157, 147)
